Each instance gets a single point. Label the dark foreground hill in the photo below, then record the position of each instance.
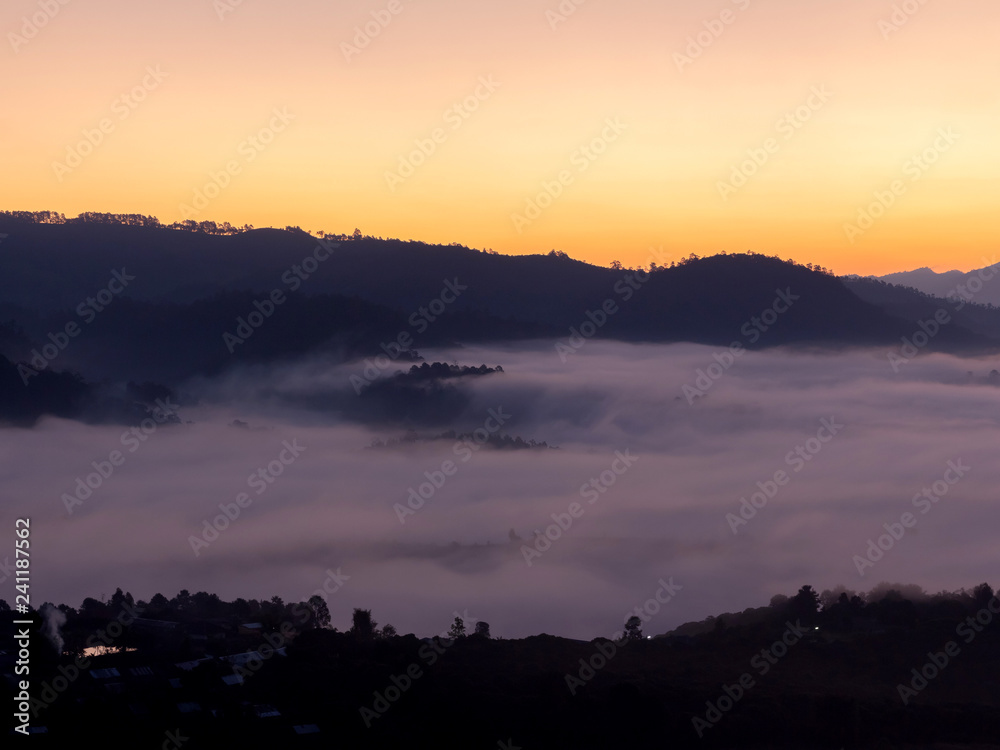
(880, 671)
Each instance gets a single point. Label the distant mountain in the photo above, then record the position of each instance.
(50, 270)
(969, 322)
(949, 282)
(163, 305)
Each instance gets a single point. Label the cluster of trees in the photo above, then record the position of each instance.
(693, 257)
(841, 610)
(364, 628)
(124, 220)
(141, 220)
(188, 225)
(499, 441)
(186, 607)
(33, 217)
(762, 256)
(443, 371)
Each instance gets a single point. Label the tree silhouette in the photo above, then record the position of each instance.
(457, 629)
(93, 608)
(982, 593)
(483, 629)
(363, 626)
(182, 601)
(320, 610)
(633, 628)
(805, 604)
(779, 600)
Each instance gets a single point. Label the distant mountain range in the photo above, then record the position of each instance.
(951, 282)
(150, 304)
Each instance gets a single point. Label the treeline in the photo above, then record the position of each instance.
(499, 441)
(193, 613)
(693, 257)
(202, 606)
(443, 371)
(885, 609)
(123, 220)
(93, 218)
(225, 228)
(840, 610)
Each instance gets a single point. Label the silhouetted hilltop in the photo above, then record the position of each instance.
(123, 298)
(893, 668)
(757, 300)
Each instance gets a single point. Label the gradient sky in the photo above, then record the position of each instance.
(656, 184)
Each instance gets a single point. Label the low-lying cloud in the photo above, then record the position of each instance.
(604, 533)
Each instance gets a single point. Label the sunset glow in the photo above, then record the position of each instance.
(484, 106)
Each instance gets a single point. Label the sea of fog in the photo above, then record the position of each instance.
(646, 480)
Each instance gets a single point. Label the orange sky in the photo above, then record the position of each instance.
(867, 106)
